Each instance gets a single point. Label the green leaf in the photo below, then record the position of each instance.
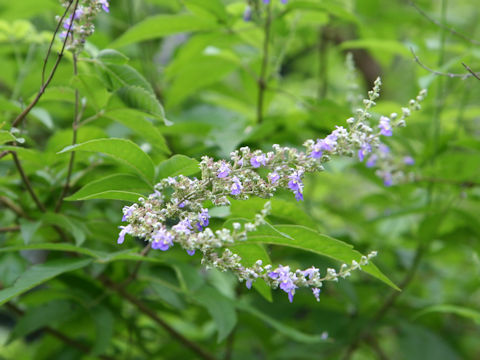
(111, 56)
(52, 313)
(140, 123)
(39, 274)
(140, 98)
(250, 253)
(5, 136)
(281, 328)
(451, 309)
(28, 229)
(214, 7)
(115, 187)
(385, 46)
(162, 25)
(67, 224)
(125, 75)
(121, 150)
(54, 247)
(104, 329)
(303, 238)
(220, 308)
(178, 165)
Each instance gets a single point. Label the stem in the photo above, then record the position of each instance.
(152, 315)
(262, 80)
(27, 183)
(9, 229)
(67, 340)
(74, 141)
(322, 62)
(14, 207)
(45, 84)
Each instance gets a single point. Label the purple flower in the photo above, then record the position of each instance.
(366, 148)
(105, 5)
(286, 280)
(310, 272)
(181, 205)
(327, 144)
(203, 219)
(125, 230)
(385, 127)
(162, 240)
(183, 227)
(248, 284)
(236, 187)
(316, 293)
(408, 160)
(223, 171)
(247, 14)
(191, 252)
(273, 177)
(295, 184)
(258, 161)
(127, 212)
(384, 148)
(387, 179)
(372, 160)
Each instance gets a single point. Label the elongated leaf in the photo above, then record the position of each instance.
(104, 325)
(28, 229)
(214, 7)
(162, 25)
(250, 253)
(54, 247)
(111, 56)
(307, 239)
(220, 308)
(39, 274)
(138, 122)
(115, 187)
(178, 165)
(35, 318)
(452, 309)
(5, 136)
(281, 328)
(139, 98)
(67, 224)
(122, 150)
(125, 75)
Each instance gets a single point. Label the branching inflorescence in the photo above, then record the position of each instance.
(79, 25)
(175, 212)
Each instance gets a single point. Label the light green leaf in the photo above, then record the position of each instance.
(309, 240)
(39, 274)
(125, 75)
(139, 98)
(121, 150)
(387, 46)
(140, 123)
(220, 308)
(214, 7)
(115, 187)
(111, 56)
(5, 136)
(178, 165)
(451, 309)
(250, 253)
(162, 25)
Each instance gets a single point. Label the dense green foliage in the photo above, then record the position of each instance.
(162, 83)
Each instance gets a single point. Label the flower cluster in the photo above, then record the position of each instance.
(79, 24)
(175, 212)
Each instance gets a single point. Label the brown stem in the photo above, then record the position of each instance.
(262, 80)
(14, 207)
(67, 340)
(49, 50)
(9, 228)
(152, 315)
(44, 86)
(74, 141)
(471, 71)
(27, 183)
